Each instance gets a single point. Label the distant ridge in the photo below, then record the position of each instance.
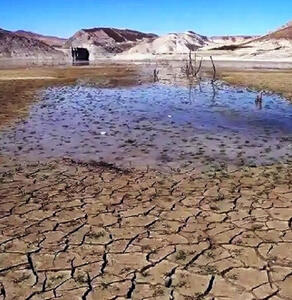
(52, 41)
(13, 45)
(231, 39)
(103, 42)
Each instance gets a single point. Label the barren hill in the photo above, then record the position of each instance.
(274, 44)
(15, 46)
(103, 41)
(172, 43)
(49, 40)
(130, 44)
(289, 24)
(284, 33)
(231, 39)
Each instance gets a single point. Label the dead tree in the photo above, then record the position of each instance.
(259, 98)
(214, 70)
(199, 68)
(187, 69)
(155, 75)
(191, 68)
(195, 63)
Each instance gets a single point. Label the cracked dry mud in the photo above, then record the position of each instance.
(76, 231)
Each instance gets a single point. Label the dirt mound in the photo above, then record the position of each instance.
(14, 46)
(52, 41)
(104, 41)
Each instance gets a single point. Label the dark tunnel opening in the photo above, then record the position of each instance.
(80, 54)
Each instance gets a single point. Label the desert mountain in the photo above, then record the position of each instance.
(52, 41)
(107, 42)
(170, 44)
(14, 46)
(103, 41)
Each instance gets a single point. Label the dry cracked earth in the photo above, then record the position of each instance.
(71, 230)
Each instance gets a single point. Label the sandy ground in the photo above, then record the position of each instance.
(71, 230)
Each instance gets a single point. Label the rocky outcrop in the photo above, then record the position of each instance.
(14, 46)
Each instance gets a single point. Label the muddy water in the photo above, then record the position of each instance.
(153, 125)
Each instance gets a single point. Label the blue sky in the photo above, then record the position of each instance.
(209, 17)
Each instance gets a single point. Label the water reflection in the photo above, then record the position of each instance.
(80, 63)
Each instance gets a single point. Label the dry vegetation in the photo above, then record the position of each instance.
(274, 81)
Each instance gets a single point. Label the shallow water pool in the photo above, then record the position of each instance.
(154, 125)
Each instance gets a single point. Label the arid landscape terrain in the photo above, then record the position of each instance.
(150, 172)
(126, 44)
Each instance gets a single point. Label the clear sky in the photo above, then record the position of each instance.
(208, 17)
